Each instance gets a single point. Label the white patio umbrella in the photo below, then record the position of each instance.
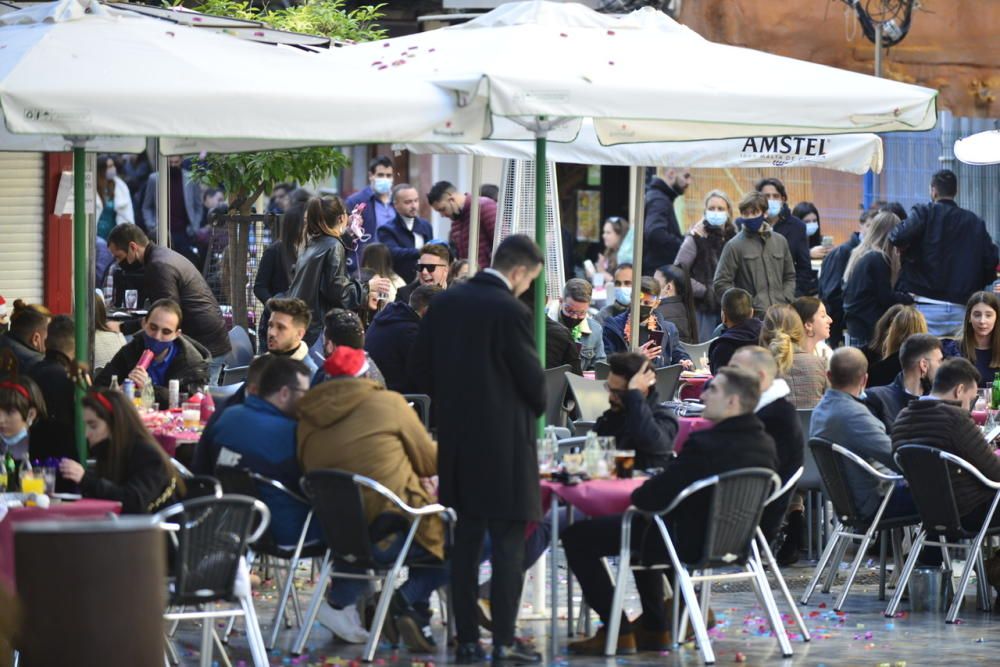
(979, 149)
(547, 64)
(58, 84)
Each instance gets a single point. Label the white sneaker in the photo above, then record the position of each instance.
(345, 623)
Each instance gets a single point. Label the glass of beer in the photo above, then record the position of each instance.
(624, 463)
(191, 414)
(546, 457)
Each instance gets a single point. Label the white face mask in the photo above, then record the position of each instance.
(774, 207)
(811, 228)
(716, 218)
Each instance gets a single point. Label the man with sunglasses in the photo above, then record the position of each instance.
(432, 269)
(636, 419)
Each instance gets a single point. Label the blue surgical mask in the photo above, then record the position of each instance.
(157, 347)
(382, 185)
(14, 439)
(811, 228)
(623, 296)
(753, 224)
(774, 207)
(716, 218)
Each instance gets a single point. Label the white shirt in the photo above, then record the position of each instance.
(418, 239)
(494, 272)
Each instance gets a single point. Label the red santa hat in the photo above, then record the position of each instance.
(346, 361)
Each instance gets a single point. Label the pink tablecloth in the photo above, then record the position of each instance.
(167, 428)
(687, 426)
(87, 508)
(691, 387)
(598, 497)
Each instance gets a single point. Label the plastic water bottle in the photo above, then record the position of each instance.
(128, 389)
(592, 455)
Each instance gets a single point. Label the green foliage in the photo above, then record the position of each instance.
(245, 176)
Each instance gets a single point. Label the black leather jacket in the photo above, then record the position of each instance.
(320, 279)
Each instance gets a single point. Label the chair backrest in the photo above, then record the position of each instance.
(211, 536)
(602, 370)
(810, 476)
(422, 404)
(582, 427)
(696, 350)
(927, 474)
(555, 392)
(832, 469)
(242, 352)
(234, 375)
(667, 380)
(590, 397)
(736, 503)
(240, 481)
(222, 393)
(340, 509)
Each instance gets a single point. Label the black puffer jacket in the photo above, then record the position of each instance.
(26, 356)
(320, 279)
(661, 232)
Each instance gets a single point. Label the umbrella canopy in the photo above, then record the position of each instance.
(565, 61)
(980, 149)
(853, 153)
(179, 81)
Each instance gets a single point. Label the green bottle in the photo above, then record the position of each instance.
(13, 481)
(995, 395)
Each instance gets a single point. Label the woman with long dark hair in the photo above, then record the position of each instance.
(676, 302)
(320, 276)
(612, 234)
(274, 274)
(131, 467)
(980, 341)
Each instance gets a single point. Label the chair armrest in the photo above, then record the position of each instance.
(434, 508)
(279, 486)
(969, 468)
(864, 465)
(265, 521)
(787, 486)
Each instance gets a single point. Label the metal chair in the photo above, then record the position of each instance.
(555, 392)
(339, 505)
(697, 350)
(929, 472)
(242, 352)
(582, 427)
(234, 375)
(668, 380)
(590, 398)
(196, 486)
(210, 537)
(222, 393)
(787, 488)
(811, 484)
(422, 404)
(832, 461)
(245, 482)
(735, 501)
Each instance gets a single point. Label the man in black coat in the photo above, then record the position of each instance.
(560, 349)
(407, 232)
(636, 418)
(176, 357)
(55, 436)
(919, 356)
(947, 255)
(170, 275)
(390, 337)
(781, 421)
(794, 231)
(738, 440)
(26, 337)
(475, 356)
(741, 328)
(662, 235)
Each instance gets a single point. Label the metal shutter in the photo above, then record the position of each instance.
(22, 227)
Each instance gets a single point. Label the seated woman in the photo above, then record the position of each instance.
(131, 467)
(666, 352)
(817, 326)
(898, 326)
(784, 335)
(676, 301)
(980, 341)
(21, 406)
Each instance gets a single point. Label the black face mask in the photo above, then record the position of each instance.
(569, 322)
(645, 312)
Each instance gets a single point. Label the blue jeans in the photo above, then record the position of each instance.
(215, 366)
(943, 319)
(418, 587)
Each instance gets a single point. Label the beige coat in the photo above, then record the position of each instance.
(354, 424)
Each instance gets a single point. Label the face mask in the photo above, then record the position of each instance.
(645, 312)
(110, 173)
(774, 207)
(716, 218)
(14, 439)
(753, 224)
(382, 185)
(811, 228)
(157, 347)
(623, 296)
(569, 322)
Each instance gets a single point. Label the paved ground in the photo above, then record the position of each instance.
(858, 636)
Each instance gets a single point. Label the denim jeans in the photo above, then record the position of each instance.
(421, 582)
(943, 319)
(215, 366)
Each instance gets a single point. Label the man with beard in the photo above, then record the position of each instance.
(287, 328)
(451, 203)
(662, 235)
(919, 356)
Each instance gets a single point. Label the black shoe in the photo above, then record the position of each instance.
(788, 554)
(389, 631)
(516, 654)
(413, 627)
(469, 653)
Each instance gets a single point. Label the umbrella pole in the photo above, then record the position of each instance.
(81, 298)
(477, 181)
(637, 213)
(540, 291)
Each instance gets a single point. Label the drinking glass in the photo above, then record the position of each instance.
(191, 413)
(624, 463)
(48, 474)
(546, 456)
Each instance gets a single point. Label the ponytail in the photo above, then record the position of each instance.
(323, 216)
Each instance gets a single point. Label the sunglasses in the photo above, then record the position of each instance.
(429, 268)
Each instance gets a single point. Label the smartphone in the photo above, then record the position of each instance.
(656, 337)
(827, 241)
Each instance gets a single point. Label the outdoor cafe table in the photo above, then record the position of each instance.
(83, 509)
(168, 429)
(692, 385)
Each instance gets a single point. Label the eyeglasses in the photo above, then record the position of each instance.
(429, 268)
(616, 392)
(575, 314)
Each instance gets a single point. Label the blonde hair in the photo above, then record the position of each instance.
(782, 334)
(877, 240)
(907, 322)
